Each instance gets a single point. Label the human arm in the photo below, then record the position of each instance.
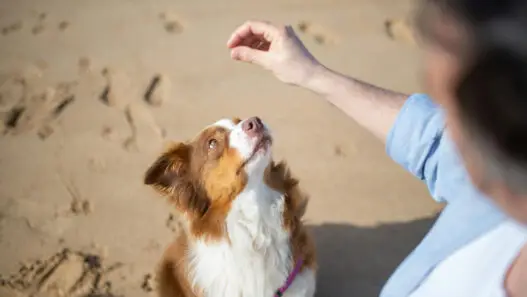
(279, 50)
(372, 107)
(411, 126)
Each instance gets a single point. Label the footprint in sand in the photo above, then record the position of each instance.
(339, 152)
(12, 91)
(39, 110)
(40, 25)
(63, 25)
(37, 29)
(171, 23)
(12, 28)
(109, 134)
(97, 164)
(25, 106)
(84, 207)
(84, 65)
(42, 16)
(152, 245)
(144, 129)
(66, 273)
(117, 90)
(318, 33)
(78, 204)
(158, 90)
(400, 30)
(148, 284)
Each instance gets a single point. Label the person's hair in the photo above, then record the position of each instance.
(492, 89)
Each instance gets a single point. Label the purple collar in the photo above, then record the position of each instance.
(290, 278)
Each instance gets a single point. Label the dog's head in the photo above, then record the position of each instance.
(204, 175)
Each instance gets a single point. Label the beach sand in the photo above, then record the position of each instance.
(91, 91)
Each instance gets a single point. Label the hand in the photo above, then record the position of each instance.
(277, 49)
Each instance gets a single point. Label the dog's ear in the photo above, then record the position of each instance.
(170, 175)
(169, 169)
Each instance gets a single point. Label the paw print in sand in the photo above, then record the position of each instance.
(320, 34)
(171, 23)
(400, 30)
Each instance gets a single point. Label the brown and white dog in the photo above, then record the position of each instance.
(242, 231)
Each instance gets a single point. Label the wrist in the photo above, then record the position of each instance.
(315, 79)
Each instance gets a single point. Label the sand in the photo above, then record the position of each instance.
(91, 91)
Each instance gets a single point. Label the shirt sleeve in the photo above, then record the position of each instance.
(415, 140)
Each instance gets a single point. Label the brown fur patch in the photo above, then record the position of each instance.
(222, 183)
(279, 177)
(201, 179)
(170, 175)
(236, 120)
(172, 274)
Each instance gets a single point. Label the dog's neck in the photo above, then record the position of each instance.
(255, 257)
(256, 218)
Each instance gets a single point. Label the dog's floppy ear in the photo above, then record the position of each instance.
(170, 175)
(168, 170)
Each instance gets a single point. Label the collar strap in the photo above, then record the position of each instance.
(290, 278)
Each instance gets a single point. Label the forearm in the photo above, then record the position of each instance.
(372, 107)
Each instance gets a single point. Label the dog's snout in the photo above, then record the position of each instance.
(253, 126)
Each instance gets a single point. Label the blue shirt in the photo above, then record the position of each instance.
(419, 143)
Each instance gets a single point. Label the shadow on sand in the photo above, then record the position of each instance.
(357, 261)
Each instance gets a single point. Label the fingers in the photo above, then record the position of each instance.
(264, 29)
(250, 55)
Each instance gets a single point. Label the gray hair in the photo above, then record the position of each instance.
(492, 90)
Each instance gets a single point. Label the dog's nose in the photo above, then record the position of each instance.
(253, 126)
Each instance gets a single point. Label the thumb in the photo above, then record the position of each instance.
(247, 54)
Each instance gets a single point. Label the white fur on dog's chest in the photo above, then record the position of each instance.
(256, 261)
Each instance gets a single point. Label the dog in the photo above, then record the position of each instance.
(242, 233)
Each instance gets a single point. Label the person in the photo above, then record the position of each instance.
(466, 139)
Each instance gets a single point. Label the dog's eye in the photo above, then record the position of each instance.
(212, 143)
